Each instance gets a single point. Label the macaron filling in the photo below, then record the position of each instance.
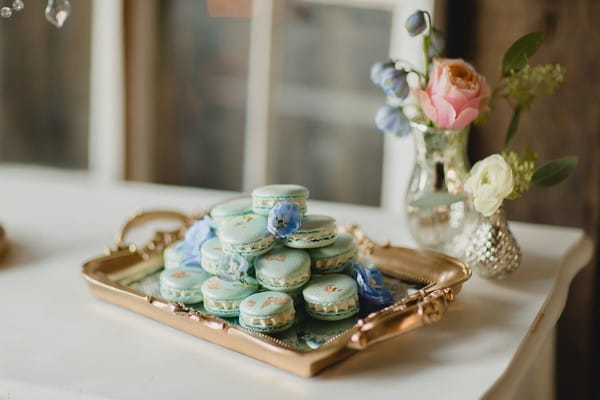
(334, 308)
(270, 202)
(222, 305)
(223, 298)
(331, 297)
(255, 248)
(298, 237)
(275, 283)
(265, 198)
(183, 284)
(338, 261)
(267, 322)
(172, 292)
(211, 252)
(267, 312)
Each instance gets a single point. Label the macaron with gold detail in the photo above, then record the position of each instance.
(173, 255)
(222, 298)
(267, 312)
(211, 252)
(265, 197)
(183, 284)
(231, 208)
(335, 257)
(315, 231)
(246, 235)
(331, 297)
(283, 269)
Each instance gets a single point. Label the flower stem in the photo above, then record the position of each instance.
(426, 44)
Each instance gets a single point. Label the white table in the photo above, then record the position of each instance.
(58, 342)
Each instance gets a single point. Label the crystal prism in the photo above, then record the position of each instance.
(57, 12)
(18, 5)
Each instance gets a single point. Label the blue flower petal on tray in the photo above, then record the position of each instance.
(371, 288)
(284, 219)
(232, 267)
(195, 236)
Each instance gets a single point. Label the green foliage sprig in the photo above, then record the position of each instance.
(521, 84)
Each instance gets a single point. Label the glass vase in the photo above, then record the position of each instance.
(440, 215)
(493, 251)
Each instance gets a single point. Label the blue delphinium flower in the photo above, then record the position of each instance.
(416, 23)
(195, 236)
(232, 267)
(392, 121)
(284, 218)
(378, 69)
(371, 287)
(437, 44)
(394, 83)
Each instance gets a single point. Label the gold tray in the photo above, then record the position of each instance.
(440, 278)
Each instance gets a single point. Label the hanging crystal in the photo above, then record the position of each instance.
(5, 12)
(18, 5)
(57, 12)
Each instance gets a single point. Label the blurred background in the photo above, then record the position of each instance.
(225, 94)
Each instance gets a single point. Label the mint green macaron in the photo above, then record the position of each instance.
(283, 269)
(231, 208)
(183, 284)
(173, 255)
(222, 298)
(246, 235)
(336, 256)
(331, 297)
(267, 312)
(264, 198)
(210, 253)
(315, 231)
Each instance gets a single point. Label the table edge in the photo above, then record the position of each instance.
(576, 257)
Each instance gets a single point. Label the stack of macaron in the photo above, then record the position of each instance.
(286, 268)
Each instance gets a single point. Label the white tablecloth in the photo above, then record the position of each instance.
(58, 342)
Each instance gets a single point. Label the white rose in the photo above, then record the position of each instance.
(490, 182)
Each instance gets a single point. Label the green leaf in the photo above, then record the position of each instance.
(517, 55)
(512, 128)
(554, 172)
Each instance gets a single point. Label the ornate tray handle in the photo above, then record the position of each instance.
(399, 319)
(161, 238)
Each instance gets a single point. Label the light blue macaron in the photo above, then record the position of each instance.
(183, 284)
(264, 198)
(315, 231)
(283, 269)
(246, 235)
(222, 298)
(210, 253)
(231, 208)
(173, 255)
(267, 312)
(331, 297)
(335, 257)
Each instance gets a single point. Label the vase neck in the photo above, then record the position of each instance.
(434, 145)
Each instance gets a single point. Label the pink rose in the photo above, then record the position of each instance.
(455, 94)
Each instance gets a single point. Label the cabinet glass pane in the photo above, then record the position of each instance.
(203, 63)
(44, 87)
(324, 102)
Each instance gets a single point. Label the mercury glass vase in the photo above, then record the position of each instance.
(493, 251)
(440, 215)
